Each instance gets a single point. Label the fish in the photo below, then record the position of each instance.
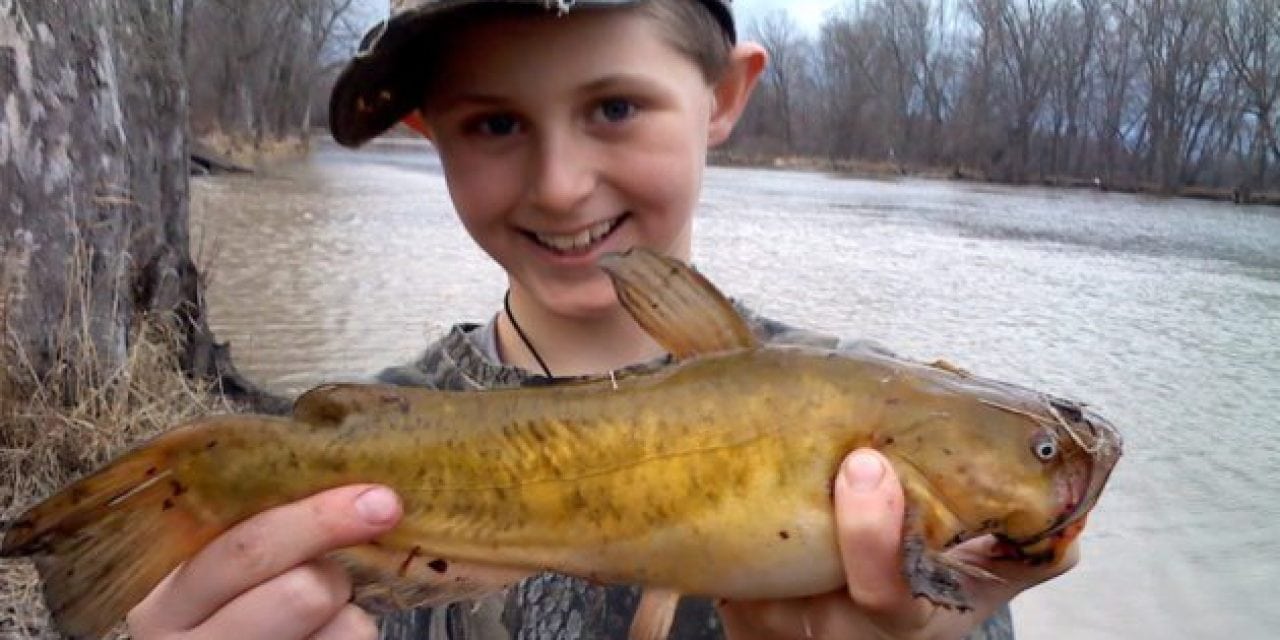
(711, 475)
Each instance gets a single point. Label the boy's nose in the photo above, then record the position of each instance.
(563, 174)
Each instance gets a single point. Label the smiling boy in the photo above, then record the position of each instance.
(565, 132)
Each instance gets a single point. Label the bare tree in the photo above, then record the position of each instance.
(257, 63)
(1174, 40)
(897, 68)
(848, 98)
(938, 74)
(1248, 33)
(1071, 57)
(788, 63)
(1114, 118)
(975, 135)
(1019, 34)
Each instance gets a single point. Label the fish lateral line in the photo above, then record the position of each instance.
(748, 441)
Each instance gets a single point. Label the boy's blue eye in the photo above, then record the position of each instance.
(617, 109)
(498, 125)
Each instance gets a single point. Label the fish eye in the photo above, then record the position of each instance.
(1045, 448)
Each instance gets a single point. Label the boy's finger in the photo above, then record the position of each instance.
(293, 605)
(267, 545)
(352, 623)
(869, 513)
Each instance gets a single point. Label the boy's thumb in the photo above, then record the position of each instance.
(869, 512)
(378, 506)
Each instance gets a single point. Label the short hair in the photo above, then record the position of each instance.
(692, 29)
(688, 26)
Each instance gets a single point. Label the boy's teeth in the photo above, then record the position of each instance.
(577, 241)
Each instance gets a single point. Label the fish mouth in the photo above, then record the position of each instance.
(1100, 447)
(579, 242)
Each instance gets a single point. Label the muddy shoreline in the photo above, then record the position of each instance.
(881, 170)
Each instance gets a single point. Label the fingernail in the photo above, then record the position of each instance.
(863, 471)
(378, 505)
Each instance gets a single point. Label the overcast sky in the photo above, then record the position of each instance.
(807, 13)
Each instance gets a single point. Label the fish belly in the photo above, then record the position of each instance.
(751, 519)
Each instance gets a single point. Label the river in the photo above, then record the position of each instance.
(1164, 314)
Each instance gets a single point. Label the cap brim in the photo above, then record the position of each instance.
(378, 87)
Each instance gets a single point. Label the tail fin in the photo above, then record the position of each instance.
(104, 542)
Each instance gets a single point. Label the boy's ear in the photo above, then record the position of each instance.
(731, 92)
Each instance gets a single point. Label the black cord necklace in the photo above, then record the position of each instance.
(506, 306)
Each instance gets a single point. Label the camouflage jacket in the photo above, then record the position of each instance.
(552, 606)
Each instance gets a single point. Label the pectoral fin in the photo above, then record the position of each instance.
(929, 574)
(654, 615)
(680, 308)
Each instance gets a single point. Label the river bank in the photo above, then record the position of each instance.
(875, 170)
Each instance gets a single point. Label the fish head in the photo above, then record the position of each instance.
(1001, 460)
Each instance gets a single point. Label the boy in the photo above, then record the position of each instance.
(564, 132)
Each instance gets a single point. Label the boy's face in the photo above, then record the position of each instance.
(566, 137)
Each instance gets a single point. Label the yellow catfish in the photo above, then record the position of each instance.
(711, 476)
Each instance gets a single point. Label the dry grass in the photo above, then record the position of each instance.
(60, 424)
(248, 152)
(845, 166)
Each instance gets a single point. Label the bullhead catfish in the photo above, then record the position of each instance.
(710, 476)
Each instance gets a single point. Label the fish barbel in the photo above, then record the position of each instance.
(711, 476)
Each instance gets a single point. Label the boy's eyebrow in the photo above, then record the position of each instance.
(612, 80)
(478, 99)
(603, 83)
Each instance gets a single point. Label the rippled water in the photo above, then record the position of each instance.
(1164, 314)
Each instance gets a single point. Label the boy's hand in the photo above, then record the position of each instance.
(877, 602)
(265, 578)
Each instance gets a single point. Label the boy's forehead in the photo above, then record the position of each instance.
(549, 47)
(505, 63)
(382, 83)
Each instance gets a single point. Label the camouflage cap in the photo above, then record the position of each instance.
(381, 85)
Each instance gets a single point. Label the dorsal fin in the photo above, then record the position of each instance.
(679, 307)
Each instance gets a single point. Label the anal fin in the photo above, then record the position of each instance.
(654, 615)
(387, 579)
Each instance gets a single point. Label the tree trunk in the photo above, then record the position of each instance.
(93, 165)
(184, 30)
(94, 172)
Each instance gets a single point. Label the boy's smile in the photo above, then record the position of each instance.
(581, 242)
(565, 137)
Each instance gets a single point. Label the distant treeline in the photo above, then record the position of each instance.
(1170, 93)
